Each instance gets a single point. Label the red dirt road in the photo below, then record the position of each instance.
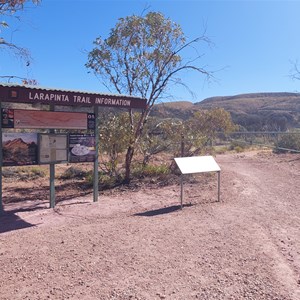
(139, 245)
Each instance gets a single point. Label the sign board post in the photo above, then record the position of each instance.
(52, 185)
(96, 161)
(1, 204)
(52, 172)
(197, 164)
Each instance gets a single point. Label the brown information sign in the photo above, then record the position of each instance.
(25, 94)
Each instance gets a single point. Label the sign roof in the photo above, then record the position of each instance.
(35, 94)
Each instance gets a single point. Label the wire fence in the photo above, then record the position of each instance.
(278, 141)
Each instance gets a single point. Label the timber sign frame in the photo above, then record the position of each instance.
(15, 93)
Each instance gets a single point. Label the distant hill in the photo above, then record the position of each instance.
(257, 111)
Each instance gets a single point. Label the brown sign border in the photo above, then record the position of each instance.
(25, 94)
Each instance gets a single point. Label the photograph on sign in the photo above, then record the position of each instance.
(53, 148)
(19, 149)
(48, 119)
(81, 148)
(7, 118)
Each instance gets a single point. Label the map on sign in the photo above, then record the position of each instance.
(53, 148)
(28, 119)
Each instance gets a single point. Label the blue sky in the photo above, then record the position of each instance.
(254, 43)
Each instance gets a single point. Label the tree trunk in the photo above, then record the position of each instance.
(129, 156)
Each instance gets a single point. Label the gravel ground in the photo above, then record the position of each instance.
(138, 244)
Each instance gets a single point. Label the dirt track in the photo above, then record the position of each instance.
(139, 245)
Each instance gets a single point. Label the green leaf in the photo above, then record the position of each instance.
(4, 24)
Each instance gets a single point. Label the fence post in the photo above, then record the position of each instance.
(1, 161)
(182, 145)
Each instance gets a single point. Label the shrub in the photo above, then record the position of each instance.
(105, 181)
(220, 149)
(73, 172)
(288, 143)
(24, 173)
(238, 146)
(150, 170)
(239, 149)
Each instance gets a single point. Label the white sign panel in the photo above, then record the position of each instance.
(197, 164)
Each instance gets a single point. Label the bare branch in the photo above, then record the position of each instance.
(295, 71)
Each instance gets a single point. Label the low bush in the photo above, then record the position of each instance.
(150, 170)
(73, 172)
(24, 172)
(105, 181)
(238, 146)
(288, 143)
(220, 149)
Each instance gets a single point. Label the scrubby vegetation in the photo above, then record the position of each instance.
(24, 172)
(207, 132)
(288, 143)
(193, 136)
(74, 172)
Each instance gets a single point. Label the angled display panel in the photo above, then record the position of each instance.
(197, 164)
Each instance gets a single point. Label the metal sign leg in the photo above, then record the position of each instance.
(52, 185)
(219, 185)
(181, 192)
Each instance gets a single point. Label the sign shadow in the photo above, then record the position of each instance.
(9, 221)
(161, 211)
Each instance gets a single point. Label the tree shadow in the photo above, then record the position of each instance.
(162, 211)
(9, 221)
(63, 192)
(31, 199)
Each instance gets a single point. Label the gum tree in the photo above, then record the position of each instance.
(11, 9)
(143, 56)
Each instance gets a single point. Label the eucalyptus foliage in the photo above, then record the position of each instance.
(142, 56)
(114, 139)
(10, 9)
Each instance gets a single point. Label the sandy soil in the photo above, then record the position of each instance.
(138, 244)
